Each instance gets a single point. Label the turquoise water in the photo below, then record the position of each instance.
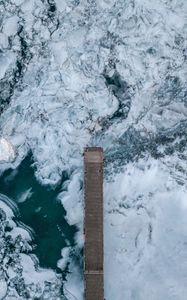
(39, 209)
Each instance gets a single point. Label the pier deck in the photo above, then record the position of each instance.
(93, 224)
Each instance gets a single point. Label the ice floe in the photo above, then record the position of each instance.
(7, 152)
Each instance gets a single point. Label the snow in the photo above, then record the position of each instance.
(7, 152)
(11, 25)
(20, 231)
(61, 5)
(72, 200)
(5, 205)
(145, 234)
(62, 263)
(29, 272)
(3, 40)
(3, 289)
(60, 53)
(6, 62)
(112, 74)
(74, 287)
(18, 2)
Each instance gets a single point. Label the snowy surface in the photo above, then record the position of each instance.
(109, 73)
(6, 151)
(146, 248)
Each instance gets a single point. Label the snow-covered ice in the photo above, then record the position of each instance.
(112, 74)
(7, 152)
(145, 234)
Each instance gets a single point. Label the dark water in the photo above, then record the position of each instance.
(39, 209)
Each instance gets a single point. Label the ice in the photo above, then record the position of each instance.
(62, 263)
(29, 272)
(7, 152)
(145, 234)
(25, 195)
(3, 288)
(6, 62)
(61, 5)
(11, 25)
(106, 4)
(20, 275)
(60, 53)
(112, 74)
(18, 2)
(3, 40)
(74, 287)
(72, 201)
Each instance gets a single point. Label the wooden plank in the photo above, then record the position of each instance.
(93, 224)
(94, 287)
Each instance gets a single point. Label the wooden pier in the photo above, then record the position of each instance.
(93, 224)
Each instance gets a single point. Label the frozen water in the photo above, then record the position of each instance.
(20, 275)
(145, 214)
(7, 152)
(109, 73)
